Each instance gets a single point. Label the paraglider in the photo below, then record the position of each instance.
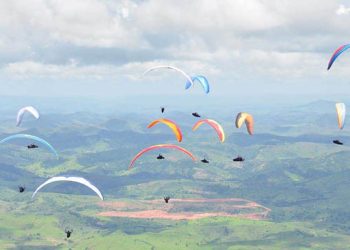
(195, 114)
(32, 146)
(202, 80)
(337, 142)
(189, 79)
(68, 232)
(166, 199)
(33, 111)
(205, 161)
(341, 112)
(171, 146)
(337, 53)
(238, 158)
(70, 179)
(248, 119)
(160, 157)
(21, 189)
(31, 137)
(172, 125)
(162, 109)
(215, 125)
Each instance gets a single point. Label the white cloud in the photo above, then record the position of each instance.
(80, 22)
(342, 10)
(72, 69)
(291, 64)
(255, 37)
(206, 16)
(28, 69)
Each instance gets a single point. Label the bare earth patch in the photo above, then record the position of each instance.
(186, 209)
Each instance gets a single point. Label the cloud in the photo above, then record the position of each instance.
(223, 39)
(72, 69)
(28, 69)
(89, 23)
(342, 10)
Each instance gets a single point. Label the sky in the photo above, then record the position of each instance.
(248, 49)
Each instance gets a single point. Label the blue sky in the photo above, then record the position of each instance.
(247, 48)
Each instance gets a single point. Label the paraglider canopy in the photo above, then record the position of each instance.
(71, 179)
(341, 112)
(215, 125)
(31, 137)
(337, 53)
(248, 119)
(202, 80)
(189, 79)
(171, 146)
(29, 109)
(172, 125)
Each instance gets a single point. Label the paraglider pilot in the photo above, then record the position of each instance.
(337, 142)
(68, 232)
(239, 158)
(160, 157)
(21, 189)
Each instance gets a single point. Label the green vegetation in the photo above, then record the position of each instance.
(295, 170)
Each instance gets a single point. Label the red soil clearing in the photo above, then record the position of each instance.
(185, 209)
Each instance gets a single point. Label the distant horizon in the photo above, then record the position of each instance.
(152, 104)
